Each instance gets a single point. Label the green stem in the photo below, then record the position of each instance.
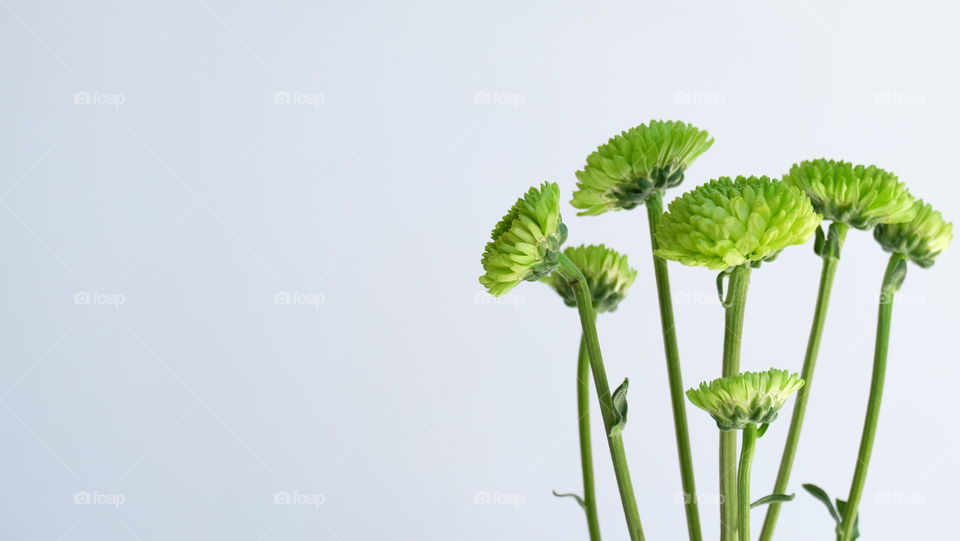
(829, 269)
(586, 452)
(743, 479)
(588, 322)
(733, 319)
(678, 401)
(893, 277)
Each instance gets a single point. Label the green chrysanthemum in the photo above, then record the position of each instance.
(856, 195)
(921, 239)
(727, 223)
(608, 275)
(747, 398)
(526, 242)
(624, 172)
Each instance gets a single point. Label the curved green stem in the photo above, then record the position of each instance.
(674, 375)
(896, 269)
(733, 319)
(588, 322)
(586, 452)
(743, 479)
(830, 260)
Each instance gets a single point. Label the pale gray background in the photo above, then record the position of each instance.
(153, 226)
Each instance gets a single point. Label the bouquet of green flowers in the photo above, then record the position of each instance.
(729, 225)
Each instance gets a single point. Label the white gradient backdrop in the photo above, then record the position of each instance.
(242, 246)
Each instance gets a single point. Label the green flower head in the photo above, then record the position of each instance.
(856, 195)
(727, 223)
(526, 243)
(921, 239)
(624, 172)
(747, 398)
(608, 276)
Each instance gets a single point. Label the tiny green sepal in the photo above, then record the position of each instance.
(856, 195)
(525, 244)
(630, 167)
(773, 498)
(921, 239)
(727, 223)
(607, 272)
(842, 509)
(821, 495)
(576, 497)
(746, 398)
(620, 408)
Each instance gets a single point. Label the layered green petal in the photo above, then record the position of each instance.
(608, 275)
(624, 172)
(746, 398)
(526, 242)
(921, 239)
(857, 195)
(726, 223)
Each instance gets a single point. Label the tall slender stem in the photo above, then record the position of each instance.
(892, 279)
(743, 480)
(586, 452)
(654, 206)
(830, 260)
(733, 319)
(588, 322)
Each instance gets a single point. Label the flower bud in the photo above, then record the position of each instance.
(746, 398)
(607, 272)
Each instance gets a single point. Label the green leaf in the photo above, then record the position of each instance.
(821, 495)
(763, 430)
(574, 496)
(833, 243)
(819, 242)
(842, 508)
(620, 407)
(773, 498)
